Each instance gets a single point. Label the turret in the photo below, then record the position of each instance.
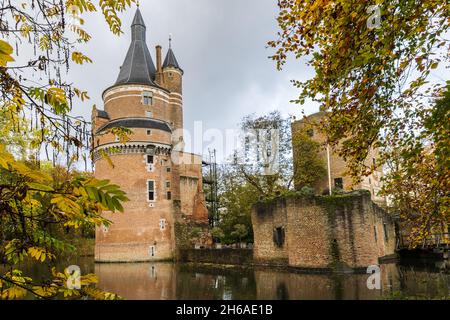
(173, 74)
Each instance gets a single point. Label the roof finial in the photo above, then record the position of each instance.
(137, 3)
(170, 41)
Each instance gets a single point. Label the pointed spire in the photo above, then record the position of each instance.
(138, 67)
(138, 26)
(170, 60)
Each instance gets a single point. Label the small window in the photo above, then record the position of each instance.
(117, 139)
(339, 183)
(310, 132)
(375, 233)
(147, 98)
(152, 251)
(374, 162)
(150, 159)
(149, 114)
(278, 236)
(168, 184)
(162, 224)
(385, 230)
(169, 195)
(149, 132)
(98, 142)
(151, 190)
(168, 169)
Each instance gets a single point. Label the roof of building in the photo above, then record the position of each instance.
(138, 67)
(170, 60)
(102, 114)
(145, 123)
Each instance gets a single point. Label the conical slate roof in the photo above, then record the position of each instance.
(170, 60)
(138, 67)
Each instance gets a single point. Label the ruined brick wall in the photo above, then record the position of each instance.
(191, 187)
(266, 218)
(324, 232)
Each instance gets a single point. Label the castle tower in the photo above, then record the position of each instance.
(147, 100)
(173, 80)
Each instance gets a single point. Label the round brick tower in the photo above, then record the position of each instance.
(148, 100)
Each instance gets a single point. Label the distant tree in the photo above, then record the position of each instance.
(245, 180)
(240, 232)
(236, 198)
(309, 168)
(217, 233)
(267, 164)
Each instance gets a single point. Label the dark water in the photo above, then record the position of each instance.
(176, 281)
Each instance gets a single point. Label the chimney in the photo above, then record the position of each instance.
(159, 73)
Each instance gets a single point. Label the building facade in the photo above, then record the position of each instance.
(338, 166)
(163, 183)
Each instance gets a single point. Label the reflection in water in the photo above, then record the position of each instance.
(135, 281)
(158, 281)
(171, 281)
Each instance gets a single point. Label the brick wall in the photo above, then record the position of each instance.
(266, 218)
(336, 232)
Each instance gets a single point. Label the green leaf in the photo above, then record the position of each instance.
(40, 187)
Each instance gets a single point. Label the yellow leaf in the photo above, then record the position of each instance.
(5, 53)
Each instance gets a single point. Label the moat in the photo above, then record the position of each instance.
(161, 281)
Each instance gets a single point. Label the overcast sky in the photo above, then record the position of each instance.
(221, 46)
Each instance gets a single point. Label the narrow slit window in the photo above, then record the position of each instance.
(168, 184)
(169, 195)
(151, 190)
(385, 231)
(278, 236)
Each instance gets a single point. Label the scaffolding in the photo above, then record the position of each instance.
(210, 187)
